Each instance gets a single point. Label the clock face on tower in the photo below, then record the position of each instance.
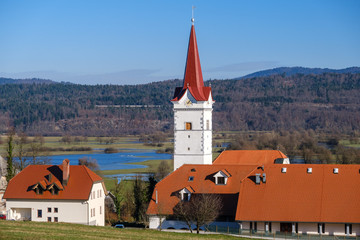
(188, 103)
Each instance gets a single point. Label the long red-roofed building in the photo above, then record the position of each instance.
(56, 193)
(267, 197)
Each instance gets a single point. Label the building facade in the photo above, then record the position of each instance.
(54, 193)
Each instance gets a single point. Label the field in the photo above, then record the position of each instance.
(37, 230)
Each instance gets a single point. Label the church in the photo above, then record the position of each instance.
(260, 190)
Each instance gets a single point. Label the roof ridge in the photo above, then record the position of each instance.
(88, 173)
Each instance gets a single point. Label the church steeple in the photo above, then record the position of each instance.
(193, 79)
(192, 113)
(193, 75)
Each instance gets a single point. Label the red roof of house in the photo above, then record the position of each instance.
(292, 196)
(249, 157)
(203, 182)
(298, 196)
(78, 186)
(193, 79)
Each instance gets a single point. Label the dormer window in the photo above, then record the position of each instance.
(221, 177)
(220, 180)
(185, 193)
(39, 188)
(191, 178)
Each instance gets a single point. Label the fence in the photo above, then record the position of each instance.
(276, 235)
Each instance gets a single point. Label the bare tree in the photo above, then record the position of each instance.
(21, 142)
(163, 170)
(202, 209)
(37, 151)
(91, 163)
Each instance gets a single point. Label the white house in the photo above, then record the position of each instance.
(53, 193)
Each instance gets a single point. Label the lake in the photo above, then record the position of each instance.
(111, 161)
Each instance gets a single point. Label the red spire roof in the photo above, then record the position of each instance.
(193, 79)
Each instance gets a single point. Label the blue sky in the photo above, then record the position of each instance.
(140, 41)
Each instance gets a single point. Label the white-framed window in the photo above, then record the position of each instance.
(185, 194)
(39, 213)
(321, 228)
(348, 229)
(221, 178)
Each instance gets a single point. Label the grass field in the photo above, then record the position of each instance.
(44, 230)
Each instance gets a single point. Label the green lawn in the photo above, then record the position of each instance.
(37, 230)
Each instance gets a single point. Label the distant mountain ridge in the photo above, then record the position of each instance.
(24, 81)
(289, 71)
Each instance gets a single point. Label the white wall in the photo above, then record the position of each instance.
(192, 146)
(72, 211)
(68, 211)
(97, 205)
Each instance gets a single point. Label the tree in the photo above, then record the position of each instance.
(140, 198)
(202, 209)
(10, 154)
(21, 142)
(163, 170)
(36, 151)
(89, 162)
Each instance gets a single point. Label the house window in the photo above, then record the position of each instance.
(188, 149)
(56, 210)
(188, 136)
(207, 124)
(321, 228)
(39, 213)
(100, 193)
(188, 126)
(348, 229)
(253, 227)
(191, 178)
(220, 180)
(49, 209)
(100, 210)
(186, 196)
(56, 219)
(39, 191)
(49, 219)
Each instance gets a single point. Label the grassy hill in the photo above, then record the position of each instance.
(40, 230)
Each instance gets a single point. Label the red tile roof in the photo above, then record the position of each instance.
(193, 79)
(293, 196)
(203, 182)
(249, 157)
(298, 196)
(78, 187)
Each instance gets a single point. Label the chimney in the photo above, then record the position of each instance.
(66, 171)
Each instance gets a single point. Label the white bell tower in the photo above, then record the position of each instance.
(192, 113)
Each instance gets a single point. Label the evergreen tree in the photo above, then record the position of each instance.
(9, 150)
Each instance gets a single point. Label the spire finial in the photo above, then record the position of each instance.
(192, 15)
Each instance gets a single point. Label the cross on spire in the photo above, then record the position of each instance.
(192, 15)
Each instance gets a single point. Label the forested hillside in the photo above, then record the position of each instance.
(329, 102)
